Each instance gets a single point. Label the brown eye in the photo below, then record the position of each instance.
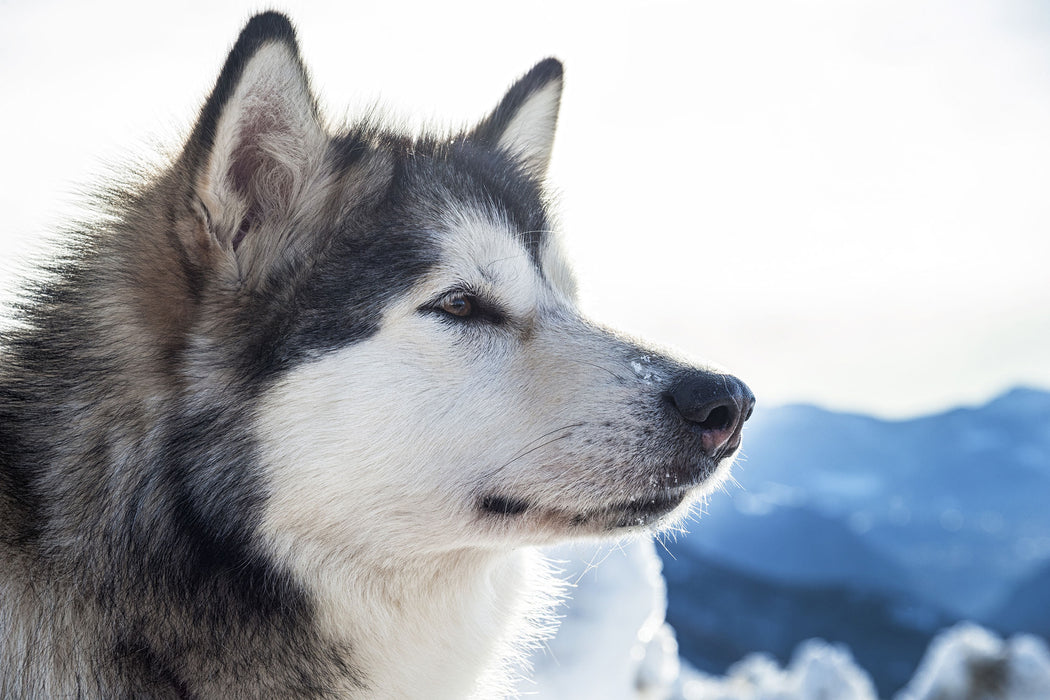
(457, 305)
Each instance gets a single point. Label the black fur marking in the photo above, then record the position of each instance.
(349, 149)
(503, 505)
(473, 176)
(21, 505)
(336, 304)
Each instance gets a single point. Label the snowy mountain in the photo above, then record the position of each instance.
(720, 615)
(872, 532)
(793, 544)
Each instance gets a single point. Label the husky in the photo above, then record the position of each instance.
(291, 419)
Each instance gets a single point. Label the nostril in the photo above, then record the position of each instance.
(668, 398)
(720, 418)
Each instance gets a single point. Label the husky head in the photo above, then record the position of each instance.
(399, 314)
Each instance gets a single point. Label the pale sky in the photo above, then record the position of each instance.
(845, 203)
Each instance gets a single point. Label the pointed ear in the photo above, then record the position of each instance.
(523, 123)
(259, 138)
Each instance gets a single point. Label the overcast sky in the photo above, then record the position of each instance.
(845, 203)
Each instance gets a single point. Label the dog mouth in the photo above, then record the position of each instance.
(632, 513)
(666, 491)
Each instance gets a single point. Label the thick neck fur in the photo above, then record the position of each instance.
(453, 626)
(116, 581)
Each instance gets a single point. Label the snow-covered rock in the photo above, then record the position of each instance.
(817, 671)
(968, 661)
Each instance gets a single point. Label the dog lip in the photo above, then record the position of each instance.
(646, 511)
(506, 506)
(691, 473)
(730, 447)
(636, 512)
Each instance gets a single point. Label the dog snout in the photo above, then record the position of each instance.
(716, 405)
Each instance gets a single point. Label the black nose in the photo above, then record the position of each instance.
(715, 404)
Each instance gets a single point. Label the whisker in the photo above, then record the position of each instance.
(531, 447)
(606, 369)
(660, 541)
(516, 256)
(594, 563)
(549, 433)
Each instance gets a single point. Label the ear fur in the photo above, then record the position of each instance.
(259, 138)
(523, 123)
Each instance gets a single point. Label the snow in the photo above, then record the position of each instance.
(614, 644)
(969, 661)
(643, 368)
(817, 671)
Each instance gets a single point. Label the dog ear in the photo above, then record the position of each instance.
(523, 123)
(259, 139)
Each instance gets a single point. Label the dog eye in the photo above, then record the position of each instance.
(460, 305)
